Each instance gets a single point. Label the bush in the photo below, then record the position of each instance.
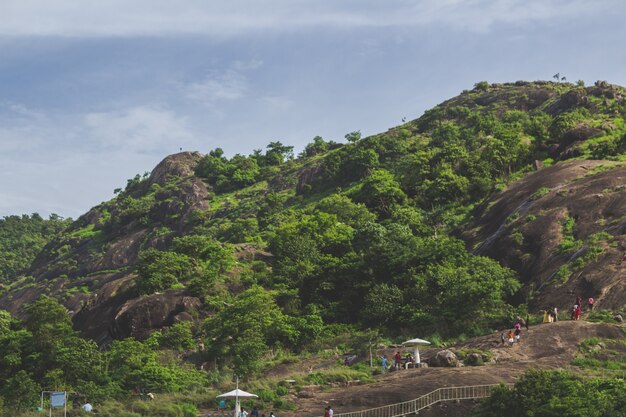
(481, 86)
(603, 316)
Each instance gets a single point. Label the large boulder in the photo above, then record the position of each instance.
(444, 358)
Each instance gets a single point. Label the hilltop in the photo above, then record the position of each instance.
(501, 200)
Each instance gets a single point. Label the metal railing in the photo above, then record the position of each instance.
(438, 395)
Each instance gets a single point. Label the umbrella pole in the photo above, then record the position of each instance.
(237, 406)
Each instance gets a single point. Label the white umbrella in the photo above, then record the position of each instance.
(237, 394)
(416, 342)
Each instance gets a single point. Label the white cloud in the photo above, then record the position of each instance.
(277, 103)
(66, 164)
(20, 128)
(221, 86)
(20, 111)
(19, 139)
(140, 129)
(74, 18)
(226, 86)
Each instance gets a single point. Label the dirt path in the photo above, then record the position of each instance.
(545, 346)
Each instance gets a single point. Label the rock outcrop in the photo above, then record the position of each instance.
(443, 358)
(563, 230)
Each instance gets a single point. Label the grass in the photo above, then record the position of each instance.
(512, 218)
(540, 193)
(86, 232)
(604, 316)
(595, 353)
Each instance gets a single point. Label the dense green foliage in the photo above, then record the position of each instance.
(44, 352)
(553, 393)
(21, 240)
(287, 252)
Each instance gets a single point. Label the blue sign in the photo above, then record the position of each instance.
(57, 399)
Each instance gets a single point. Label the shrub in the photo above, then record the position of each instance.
(481, 86)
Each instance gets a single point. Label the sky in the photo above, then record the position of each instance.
(93, 93)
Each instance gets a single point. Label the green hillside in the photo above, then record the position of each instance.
(232, 264)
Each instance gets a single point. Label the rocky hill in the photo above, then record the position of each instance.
(563, 229)
(528, 174)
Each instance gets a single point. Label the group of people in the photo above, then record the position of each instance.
(328, 411)
(550, 314)
(253, 413)
(398, 361)
(578, 306)
(514, 335)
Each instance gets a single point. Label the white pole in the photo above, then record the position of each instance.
(237, 406)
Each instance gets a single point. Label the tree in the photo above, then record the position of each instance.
(381, 192)
(21, 392)
(15, 348)
(205, 253)
(243, 331)
(358, 163)
(160, 270)
(125, 356)
(481, 86)
(21, 240)
(353, 137)
(346, 210)
(382, 304)
(319, 145)
(178, 336)
(49, 322)
(78, 359)
(277, 153)
(480, 284)
(544, 393)
(208, 260)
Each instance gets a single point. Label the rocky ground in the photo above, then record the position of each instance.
(522, 228)
(545, 346)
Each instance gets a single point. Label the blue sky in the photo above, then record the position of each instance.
(92, 93)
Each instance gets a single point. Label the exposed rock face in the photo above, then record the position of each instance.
(568, 101)
(524, 228)
(139, 316)
(444, 358)
(178, 165)
(103, 261)
(307, 178)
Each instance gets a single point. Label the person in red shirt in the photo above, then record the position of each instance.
(398, 360)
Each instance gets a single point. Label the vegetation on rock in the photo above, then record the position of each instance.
(270, 254)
